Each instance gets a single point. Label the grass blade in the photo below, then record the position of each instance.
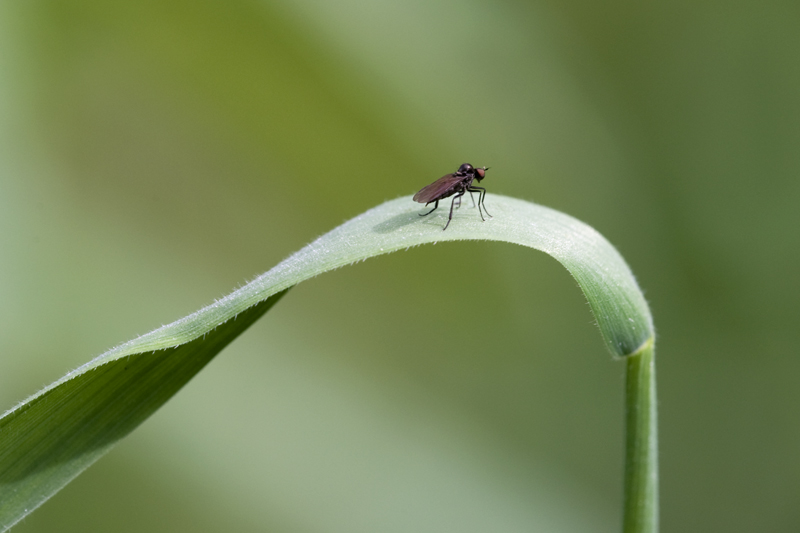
(54, 435)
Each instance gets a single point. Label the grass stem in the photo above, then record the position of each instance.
(641, 443)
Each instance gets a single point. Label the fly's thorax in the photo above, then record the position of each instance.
(465, 169)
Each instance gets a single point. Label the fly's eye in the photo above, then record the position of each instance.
(481, 173)
(465, 168)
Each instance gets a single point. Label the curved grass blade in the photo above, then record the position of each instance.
(51, 437)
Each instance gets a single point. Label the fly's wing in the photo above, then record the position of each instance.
(438, 189)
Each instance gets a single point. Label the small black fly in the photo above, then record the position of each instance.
(458, 183)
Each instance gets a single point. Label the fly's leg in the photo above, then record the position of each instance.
(432, 210)
(481, 199)
(451, 208)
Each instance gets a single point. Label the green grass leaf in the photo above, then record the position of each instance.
(54, 435)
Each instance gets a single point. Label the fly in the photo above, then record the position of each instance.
(456, 184)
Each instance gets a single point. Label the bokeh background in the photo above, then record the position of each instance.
(156, 155)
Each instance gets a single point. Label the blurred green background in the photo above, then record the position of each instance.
(156, 155)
